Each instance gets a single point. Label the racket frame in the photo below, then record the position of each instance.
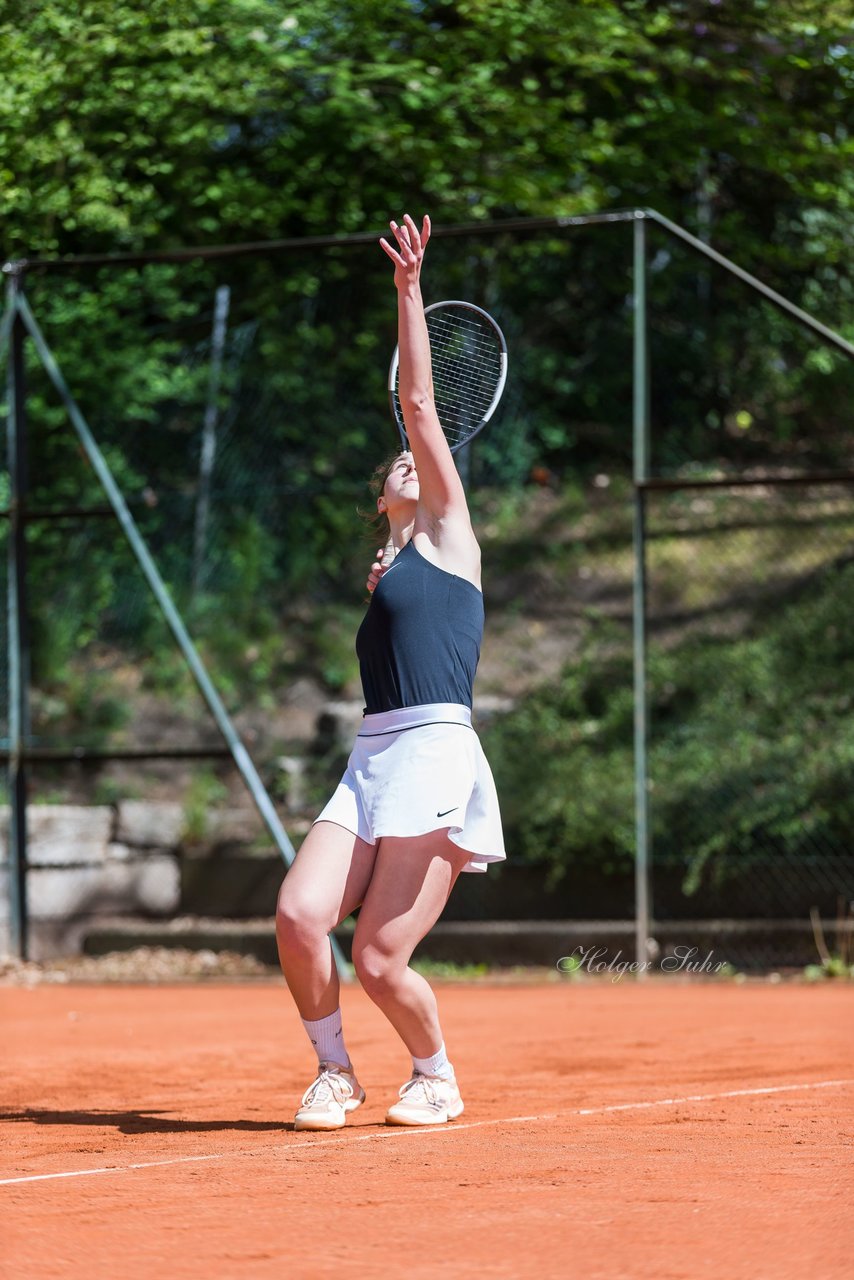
(393, 398)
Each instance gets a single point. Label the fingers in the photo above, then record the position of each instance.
(411, 242)
(418, 238)
(376, 571)
(402, 236)
(409, 237)
(392, 253)
(412, 233)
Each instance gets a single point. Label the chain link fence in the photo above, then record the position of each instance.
(751, 673)
(243, 455)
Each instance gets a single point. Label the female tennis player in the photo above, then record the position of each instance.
(417, 803)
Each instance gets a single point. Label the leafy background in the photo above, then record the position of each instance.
(195, 124)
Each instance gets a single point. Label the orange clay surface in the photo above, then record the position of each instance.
(611, 1130)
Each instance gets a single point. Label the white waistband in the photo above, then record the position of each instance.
(413, 717)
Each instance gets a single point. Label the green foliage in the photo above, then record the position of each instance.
(330, 653)
(567, 797)
(204, 793)
(835, 967)
(570, 967)
(226, 121)
(737, 774)
(112, 791)
(449, 971)
(201, 123)
(835, 963)
(79, 703)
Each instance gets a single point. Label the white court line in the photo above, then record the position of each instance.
(111, 1168)
(709, 1097)
(455, 1127)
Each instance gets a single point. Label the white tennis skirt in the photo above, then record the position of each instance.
(417, 770)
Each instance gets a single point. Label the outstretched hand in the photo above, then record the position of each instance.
(408, 255)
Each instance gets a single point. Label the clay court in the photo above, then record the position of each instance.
(612, 1129)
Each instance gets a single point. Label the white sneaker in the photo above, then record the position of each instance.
(326, 1103)
(426, 1100)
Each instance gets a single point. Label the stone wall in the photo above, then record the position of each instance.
(135, 858)
(92, 861)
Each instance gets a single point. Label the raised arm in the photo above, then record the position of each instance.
(441, 491)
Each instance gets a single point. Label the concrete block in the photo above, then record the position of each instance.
(246, 937)
(338, 724)
(55, 939)
(149, 885)
(117, 852)
(488, 705)
(233, 826)
(293, 767)
(157, 884)
(231, 885)
(156, 822)
(59, 834)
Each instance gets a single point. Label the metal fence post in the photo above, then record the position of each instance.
(16, 640)
(208, 453)
(640, 470)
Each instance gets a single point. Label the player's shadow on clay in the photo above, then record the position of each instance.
(139, 1121)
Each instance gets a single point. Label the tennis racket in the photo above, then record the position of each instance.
(469, 359)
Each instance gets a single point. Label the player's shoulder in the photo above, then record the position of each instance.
(450, 546)
(449, 528)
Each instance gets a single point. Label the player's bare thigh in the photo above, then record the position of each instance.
(412, 879)
(328, 879)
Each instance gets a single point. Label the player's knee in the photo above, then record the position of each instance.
(377, 970)
(301, 921)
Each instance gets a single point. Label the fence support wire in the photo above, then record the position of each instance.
(235, 745)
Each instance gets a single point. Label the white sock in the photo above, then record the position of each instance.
(328, 1039)
(438, 1065)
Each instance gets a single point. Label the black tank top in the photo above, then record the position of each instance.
(419, 642)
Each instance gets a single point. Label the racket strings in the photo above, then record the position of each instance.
(468, 365)
(466, 370)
